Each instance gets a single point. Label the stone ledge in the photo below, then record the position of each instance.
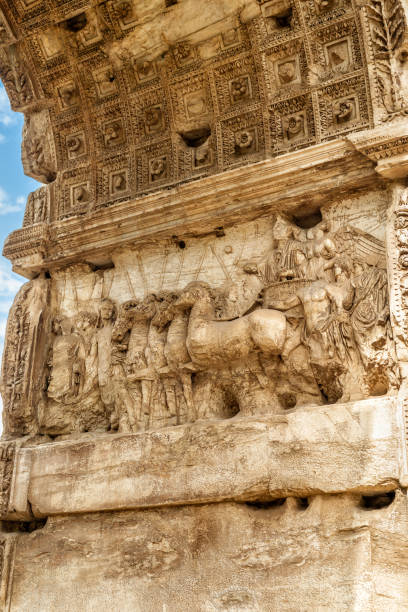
(331, 449)
(308, 177)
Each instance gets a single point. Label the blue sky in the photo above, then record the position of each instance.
(14, 188)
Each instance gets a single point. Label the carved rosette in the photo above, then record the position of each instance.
(400, 222)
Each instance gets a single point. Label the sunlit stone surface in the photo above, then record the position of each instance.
(205, 376)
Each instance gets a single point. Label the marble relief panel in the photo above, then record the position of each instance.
(259, 318)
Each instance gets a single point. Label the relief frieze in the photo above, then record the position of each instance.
(256, 319)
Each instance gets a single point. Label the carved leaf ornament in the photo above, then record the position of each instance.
(388, 32)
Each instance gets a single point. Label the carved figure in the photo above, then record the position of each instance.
(75, 145)
(327, 331)
(68, 94)
(107, 314)
(119, 182)
(293, 126)
(24, 357)
(371, 327)
(287, 71)
(37, 207)
(176, 354)
(113, 133)
(239, 88)
(153, 118)
(80, 195)
(158, 168)
(243, 141)
(67, 367)
(183, 51)
(73, 401)
(133, 385)
(343, 111)
(212, 343)
(39, 166)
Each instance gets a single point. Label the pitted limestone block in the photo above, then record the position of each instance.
(334, 554)
(349, 447)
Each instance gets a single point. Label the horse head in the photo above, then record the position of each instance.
(130, 312)
(123, 320)
(194, 292)
(165, 310)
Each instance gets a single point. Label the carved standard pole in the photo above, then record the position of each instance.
(204, 379)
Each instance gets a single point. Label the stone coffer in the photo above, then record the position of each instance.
(204, 381)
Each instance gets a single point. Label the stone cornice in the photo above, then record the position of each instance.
(387, 146)
(308, 177)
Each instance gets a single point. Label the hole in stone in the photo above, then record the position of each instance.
(302, 503)
(403, 55)
(230, 405)
(376, 502)
(171, 2)
(111, 78)
(324, 395)
(284, 19)
(219, 232)
(196, 138)
(47, 274)
(51, 176)
(266, 505)
(23, 526)
(77, 23)
(308, 220)
(287, 400)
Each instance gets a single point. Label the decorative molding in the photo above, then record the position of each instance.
(240, 194)
(387, 147)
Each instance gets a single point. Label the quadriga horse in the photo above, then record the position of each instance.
(146, 359)
(134, 316)
(212, 343)
(175, 349)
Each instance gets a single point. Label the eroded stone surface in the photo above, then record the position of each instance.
(333, 554)
(217, 307)
(254, 319)
(238, 459)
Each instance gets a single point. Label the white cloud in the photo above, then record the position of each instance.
(5, 306)
(9, 282)
(3, 324)
(7, 117)
(7, 206)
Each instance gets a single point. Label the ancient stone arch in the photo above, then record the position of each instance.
(205, 376)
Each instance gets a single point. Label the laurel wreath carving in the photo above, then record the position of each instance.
(388, 33)
(390, 26)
